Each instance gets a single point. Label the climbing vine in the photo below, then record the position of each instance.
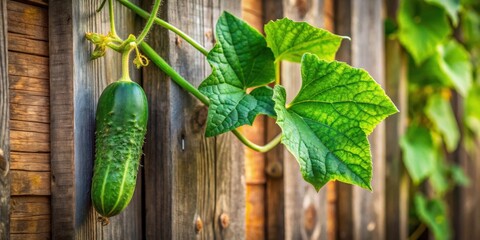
(441, 39)
(325, 126)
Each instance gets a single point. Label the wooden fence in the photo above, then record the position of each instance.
(190, 186)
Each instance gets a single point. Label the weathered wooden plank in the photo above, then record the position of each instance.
(367, 30)
(76, 84)
(305, 209)
(255, 211)
(4, 127)
(252, 13)
(29, 84)
(344, 220)
(30, 236)
(18, 43)
(184, 171)
(29, 126)
(30, 224)
(229, 215)
(22, 141)
(30, 183)
(363, 211)
(397, 183)
(30, 98)
(39, 162)
(275, 199)
(27, 65)
(28, 20)
(23, 112)
(27, 206)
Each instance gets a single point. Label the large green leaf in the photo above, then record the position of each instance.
(418, 153)
(450, 6)
(441, 114)
(421, 28)
(239, 60)
(434, 214)
(455, 66)
(326, 126)
(289, 40)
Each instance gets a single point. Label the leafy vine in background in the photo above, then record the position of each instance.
(326, 125)
(441, 38)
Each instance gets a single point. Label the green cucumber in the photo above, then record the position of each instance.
(121, 123)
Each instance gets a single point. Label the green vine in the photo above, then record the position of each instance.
(439, 64)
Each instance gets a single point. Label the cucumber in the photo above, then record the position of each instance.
(121, 123)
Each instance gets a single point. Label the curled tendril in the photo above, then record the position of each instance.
(140, 60)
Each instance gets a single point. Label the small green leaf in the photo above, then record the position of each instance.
(418, 153)
(289, 40)
(434, 214)
(239, 60)
(441, 114)
(472, 110)
(439, 177)
(450, 6)
(455, 66)
(326, 126)
(421, 28)
(459, 176)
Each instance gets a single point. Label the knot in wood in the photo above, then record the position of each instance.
(198, 224)
(274, 169)
(224, 220)
(309, 218)
(199, 118)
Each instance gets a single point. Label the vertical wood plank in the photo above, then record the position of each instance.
(342, 15)
(368, 53)
(252, 13)
(464, 209)
(76, 83)
(274, 194)
(230, 185)
(190, 181)
(363, 211)
(4, 127)
(397, 183)
(305, 209)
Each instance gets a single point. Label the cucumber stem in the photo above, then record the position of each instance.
(177, 78)
(150, 20)
(126, 63)
(144, 14)
(277, 72)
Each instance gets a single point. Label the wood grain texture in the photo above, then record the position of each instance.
(76, 84)
(361, 213)
(252, 13)
(189, 180)
(30, 183)
(27, 20)
(4, 127)
(305, 209)
(274, 194)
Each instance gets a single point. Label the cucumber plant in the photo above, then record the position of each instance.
(326, 125)
(439, 65)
